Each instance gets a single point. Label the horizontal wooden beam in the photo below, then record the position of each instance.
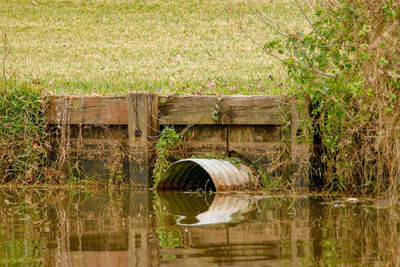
(226, 110)
(95, 110)
(173, 110)
(184, 110)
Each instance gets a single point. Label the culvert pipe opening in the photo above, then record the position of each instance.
(205, 174)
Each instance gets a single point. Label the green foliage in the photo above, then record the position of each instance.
(22, 132)
(170, 139)
(347, 66)
(168, 150)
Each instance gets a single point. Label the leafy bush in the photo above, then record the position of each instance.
(348, 65)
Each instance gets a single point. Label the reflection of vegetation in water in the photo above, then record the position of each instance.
(21, 217)
(331, 233)
(350, 233)
(22, 251)
(169, 236)
(35, 224)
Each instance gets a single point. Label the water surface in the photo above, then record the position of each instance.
(82, 227)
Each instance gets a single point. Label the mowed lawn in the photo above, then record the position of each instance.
(162, 46)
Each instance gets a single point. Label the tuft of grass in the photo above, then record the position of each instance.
(23, 147)
(168, 47)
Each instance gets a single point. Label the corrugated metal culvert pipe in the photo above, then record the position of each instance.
(206, 174)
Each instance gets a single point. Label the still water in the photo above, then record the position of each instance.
(83, 227)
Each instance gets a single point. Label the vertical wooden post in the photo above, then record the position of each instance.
(142, 128)
(300, 151)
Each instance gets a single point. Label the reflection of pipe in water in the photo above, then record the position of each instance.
(224, 209)
(193, 210)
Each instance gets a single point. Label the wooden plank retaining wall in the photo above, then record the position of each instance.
(173, 110)
(250, 127)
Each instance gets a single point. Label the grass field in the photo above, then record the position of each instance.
(116, 46)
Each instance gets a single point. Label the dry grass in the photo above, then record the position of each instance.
(77, 46)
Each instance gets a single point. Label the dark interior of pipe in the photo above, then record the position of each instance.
(198, 178)
(188, 176)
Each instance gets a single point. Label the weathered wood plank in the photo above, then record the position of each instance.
(255, 143)
(227, 110)
(254, 134)
(205, 139)
(185, 110)
(252, 110)
(95, 110)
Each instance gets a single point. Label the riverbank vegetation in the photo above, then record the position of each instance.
(348, 65)
(22, 132)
